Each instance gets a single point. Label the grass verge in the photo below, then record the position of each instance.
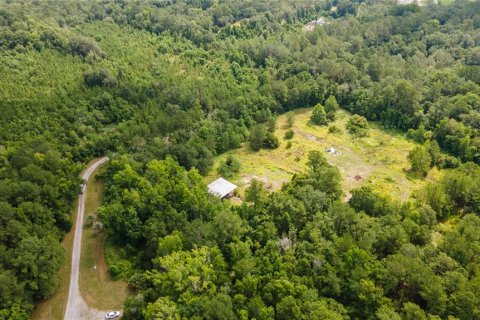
(54, 307)
(103, 294)
(98, 289)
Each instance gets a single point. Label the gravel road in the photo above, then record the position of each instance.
(77, 309)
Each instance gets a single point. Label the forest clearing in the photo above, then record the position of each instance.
(380, 159)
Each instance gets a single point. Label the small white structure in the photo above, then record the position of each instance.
(222, 188)
(332, 151)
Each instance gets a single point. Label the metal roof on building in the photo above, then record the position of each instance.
(221, 187)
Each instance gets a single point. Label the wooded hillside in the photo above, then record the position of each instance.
(164, 86)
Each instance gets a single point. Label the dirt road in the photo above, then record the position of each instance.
(77, 309)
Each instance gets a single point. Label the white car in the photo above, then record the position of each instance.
(112, 315)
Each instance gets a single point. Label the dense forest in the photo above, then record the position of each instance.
(163, 86)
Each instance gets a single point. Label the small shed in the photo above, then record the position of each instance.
(222, 188)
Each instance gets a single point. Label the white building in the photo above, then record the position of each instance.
(221, 188)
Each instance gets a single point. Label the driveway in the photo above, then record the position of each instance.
(77, 309)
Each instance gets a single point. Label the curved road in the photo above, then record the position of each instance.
(77, 308)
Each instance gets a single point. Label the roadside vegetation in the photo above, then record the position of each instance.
(54, 307)
(97, 287)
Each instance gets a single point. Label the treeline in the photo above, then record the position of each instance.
(299, 253)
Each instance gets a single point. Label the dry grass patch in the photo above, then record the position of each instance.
(380, 159)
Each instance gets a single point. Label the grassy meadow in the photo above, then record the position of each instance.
(380, 159)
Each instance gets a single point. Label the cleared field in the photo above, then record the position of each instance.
(379, 159)
(96, 286)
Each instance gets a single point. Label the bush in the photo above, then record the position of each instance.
(271, 124)
(420, 160)
(289, 134)
(114, 271)
(358, 126)
(319, 116)
(271, 141)
(261, 138)
(91, 219)
(331, 116)
(120, 268)
(229, 167)
(290, 119)
(419, 135)
(331, 107)
(256, 137)
(447, 162)
(334, 129)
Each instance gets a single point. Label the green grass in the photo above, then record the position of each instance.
(98, 289)
(379, 159)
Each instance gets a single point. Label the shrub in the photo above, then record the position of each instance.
(357, 125)
(289, 134)
(331, 107)
(334, 129)
(261, 138)
(84, 47)
(98, 226)
(229, 167)
(114, 271)
(420, 160)
(271, 141)
(290, 119)
(256, 137)
(319, 116)
(91, 219)
(271, 124)
(445, 161)
(419, 135)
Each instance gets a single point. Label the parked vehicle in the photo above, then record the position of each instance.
(112, 315)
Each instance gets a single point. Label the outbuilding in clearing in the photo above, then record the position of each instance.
(222, 188)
